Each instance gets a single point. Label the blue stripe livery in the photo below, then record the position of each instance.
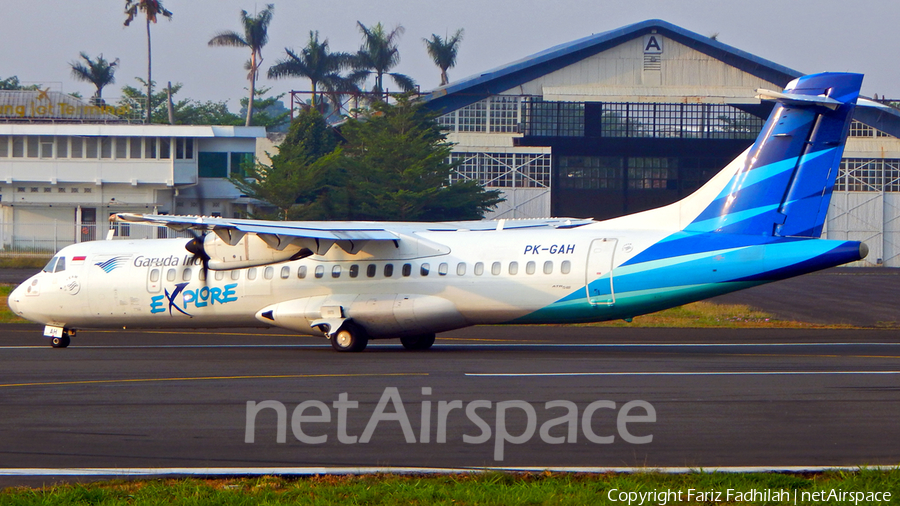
(764, 225)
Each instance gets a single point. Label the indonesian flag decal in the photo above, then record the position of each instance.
(79, 259)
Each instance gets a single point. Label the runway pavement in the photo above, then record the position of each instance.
(617, 398)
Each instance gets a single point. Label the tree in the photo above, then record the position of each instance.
(186, 111)
(377, 56)
(255, 36)
(12, 83)
(270, 111)
(151, 9)
(443, 52)
(398, 156)
(99, 72)
(316, 63)
(301, 176)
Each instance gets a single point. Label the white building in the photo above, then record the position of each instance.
(61, 177)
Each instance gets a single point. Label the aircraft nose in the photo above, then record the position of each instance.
(15, 300)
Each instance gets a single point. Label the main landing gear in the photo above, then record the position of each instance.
(420, 342)
(350, 337)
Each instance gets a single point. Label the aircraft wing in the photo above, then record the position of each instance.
(331, 231)
(341, 230)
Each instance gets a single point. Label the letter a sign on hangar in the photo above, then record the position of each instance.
(653, 44)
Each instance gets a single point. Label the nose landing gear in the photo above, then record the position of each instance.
(62, 339)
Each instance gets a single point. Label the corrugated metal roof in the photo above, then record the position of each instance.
(478, 87)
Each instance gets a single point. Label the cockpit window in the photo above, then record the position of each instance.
(60, 265)
(51, 264)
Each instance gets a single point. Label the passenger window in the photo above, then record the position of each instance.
(425, 269)
(186, 275)
(51, 264)
(566, 267)
(269, 273)
(370, 271)
(529, 268)
(170, 275)
(236, 274)
(202, 275)
(251, 273)
(388, 270)
(60, 265)
(336, 271)
(495, 268)
(154, 275)
(320, 271)
(301, 272)
(407, 270)
(461, 269)
(354, 271)
(479, 268)
(548, 267)
(442, 269)
(285, 272)
(220, 275)
(514, 268)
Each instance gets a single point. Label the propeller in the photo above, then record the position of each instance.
(195, 247)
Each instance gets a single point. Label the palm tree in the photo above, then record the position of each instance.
(316, 63)
(378, 55)
(256, 35)
(100, 72)
(443, 52)
(151, 9)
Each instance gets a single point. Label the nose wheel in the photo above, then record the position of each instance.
(61, 342)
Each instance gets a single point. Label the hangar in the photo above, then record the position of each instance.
(639, 117)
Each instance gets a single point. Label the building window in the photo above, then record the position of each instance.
(62, 147)
(121, 147)
(4, 146)
(212, 164)
(472, 118)
(504, 114)
(590, 172)
(184, 148)
(150, 147)
(869, 175)
(91, 147)
(18, 146)
(554, 119)
(33, 146)
(164, 151)
(646, 173)
(106, 148)
(238, 161)
(46, 146)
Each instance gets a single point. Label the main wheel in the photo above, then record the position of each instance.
(421, 342)
(351, 337)
(60, 342)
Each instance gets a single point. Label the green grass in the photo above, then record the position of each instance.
(708, 315)
(458, 489)
(24, 262)
(7, 316)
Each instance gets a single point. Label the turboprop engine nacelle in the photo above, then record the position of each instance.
(228, 249)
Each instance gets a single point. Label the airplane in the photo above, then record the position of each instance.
(758, 220)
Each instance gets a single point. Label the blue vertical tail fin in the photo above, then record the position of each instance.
(785, 185)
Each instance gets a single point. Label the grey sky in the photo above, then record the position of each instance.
(40, 37)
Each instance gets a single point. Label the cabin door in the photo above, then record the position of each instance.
(599, 273)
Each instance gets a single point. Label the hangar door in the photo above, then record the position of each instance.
(599, 279)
